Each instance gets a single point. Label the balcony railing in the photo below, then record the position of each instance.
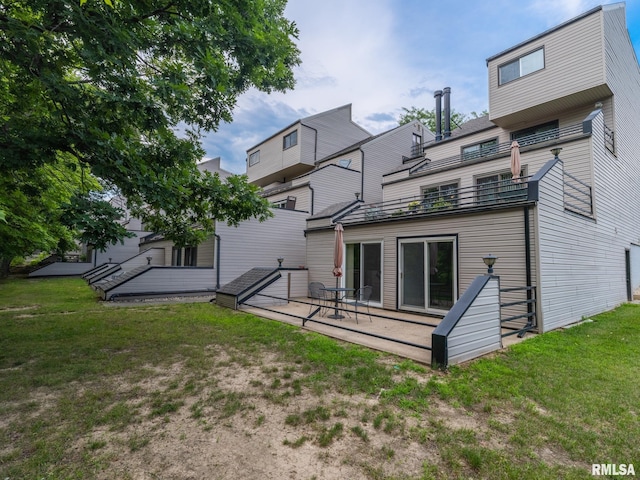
(500, 149)
(488, 194)
(577, 195)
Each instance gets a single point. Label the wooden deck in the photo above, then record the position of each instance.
(405, 334)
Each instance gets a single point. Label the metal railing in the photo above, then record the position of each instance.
(609, 139)
(513, 314)
(485, 195)
(577, 195)
(495, 150)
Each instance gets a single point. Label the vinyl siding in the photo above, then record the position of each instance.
(573, 72)
(255, 244)
(61, 269)
(120, 251)
(576, 154)
(478, 331)
(302, 194)
(167, 280)
(500, 233)
(385, 153)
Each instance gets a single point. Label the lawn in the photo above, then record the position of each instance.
(189, 390)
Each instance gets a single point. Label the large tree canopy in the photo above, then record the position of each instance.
(111, 85)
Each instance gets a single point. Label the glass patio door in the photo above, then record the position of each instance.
(363, 262)
(427, 276)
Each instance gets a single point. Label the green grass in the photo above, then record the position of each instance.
(71, 366)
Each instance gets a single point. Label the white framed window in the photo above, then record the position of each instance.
(498, 187)
(290, 140)
(345, 162)
(254, 158)
(529, 63)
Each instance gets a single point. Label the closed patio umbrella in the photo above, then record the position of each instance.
(337, 253)
(515, 161)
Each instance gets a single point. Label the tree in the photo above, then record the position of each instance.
(110, 85)
(428, 117)
(31, 201)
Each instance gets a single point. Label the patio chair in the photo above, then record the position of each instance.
(316, 292)
(361, 298)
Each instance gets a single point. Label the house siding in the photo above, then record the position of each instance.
(500, 233)
(167, 280)
(478, 331)
(574, 59)
(259, 244)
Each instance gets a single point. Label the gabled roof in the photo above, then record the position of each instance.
(333, 210)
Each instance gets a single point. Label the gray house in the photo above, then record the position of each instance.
(565, 233)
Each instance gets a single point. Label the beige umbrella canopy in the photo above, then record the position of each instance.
(515, 161)
(337, 252)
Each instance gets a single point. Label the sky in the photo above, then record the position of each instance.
(383, 55)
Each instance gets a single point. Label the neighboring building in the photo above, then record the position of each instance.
(567, 231)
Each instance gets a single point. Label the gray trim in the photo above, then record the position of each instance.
(440, 350)
(587, 123)
(533, 193)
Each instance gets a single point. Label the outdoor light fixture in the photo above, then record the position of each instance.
(149, 260)
(556, 151)
(489, 261)
(357, 194)
(280, 260)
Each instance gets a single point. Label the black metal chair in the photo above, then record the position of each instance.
(361, 298)
(317, 292)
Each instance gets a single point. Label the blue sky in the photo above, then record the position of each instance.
(383, 55)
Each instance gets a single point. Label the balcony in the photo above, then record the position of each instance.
(528, 142)
(487, 195)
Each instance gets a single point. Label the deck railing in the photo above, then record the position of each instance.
(485, 195)
(577, 195)
(497, 150)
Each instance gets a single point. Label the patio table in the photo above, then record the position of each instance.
(336, 291)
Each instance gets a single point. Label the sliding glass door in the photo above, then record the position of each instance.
(427, 274)
(363, 262)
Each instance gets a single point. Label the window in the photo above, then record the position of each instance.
(416, 144)
(290, 140)
(254, 158)
(536, 134)
(440, 197)
(190, 256)
(345, 162)
(499, 188)
(176, 256)
(480, 149)
(525, 65)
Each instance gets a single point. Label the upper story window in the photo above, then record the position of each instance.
(254, 158)
(440, 196)
(532, 62)
(536, 134)
(481, 149)
(290, 140)
(499, 187)
(416, 144)
(345, 162)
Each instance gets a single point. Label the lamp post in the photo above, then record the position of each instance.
(489, 261)
(280, 260)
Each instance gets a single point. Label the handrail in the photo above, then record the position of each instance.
(493, 151)
(484, 195)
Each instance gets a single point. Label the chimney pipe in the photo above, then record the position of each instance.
(438, 96)
(447, 112)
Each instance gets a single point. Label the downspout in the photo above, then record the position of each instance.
(362, 175)
(527, 259)
(312, 198)
(217, 261)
